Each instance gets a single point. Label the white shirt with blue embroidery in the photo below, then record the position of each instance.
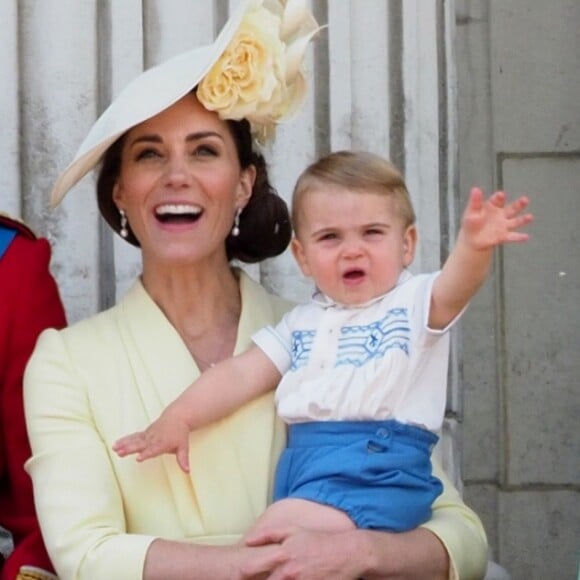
(375, 361)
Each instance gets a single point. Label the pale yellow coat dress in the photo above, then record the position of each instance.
(113, 374)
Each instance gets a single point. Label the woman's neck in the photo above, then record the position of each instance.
(202, 303)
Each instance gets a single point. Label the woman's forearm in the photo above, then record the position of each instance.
(417, 554)
(171, 560)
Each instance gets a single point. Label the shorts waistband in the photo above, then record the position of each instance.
(343, 432)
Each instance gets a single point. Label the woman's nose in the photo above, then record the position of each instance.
(177, 173)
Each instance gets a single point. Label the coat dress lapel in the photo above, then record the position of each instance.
(246, 443)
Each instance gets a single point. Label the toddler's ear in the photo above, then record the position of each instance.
(409, 245)
(300, 256)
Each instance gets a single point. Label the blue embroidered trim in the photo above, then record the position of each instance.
(359, 344)
(301, 346)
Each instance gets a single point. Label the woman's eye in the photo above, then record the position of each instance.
(205, 150)
(146, 154)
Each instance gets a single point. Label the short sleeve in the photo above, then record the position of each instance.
(275, 346)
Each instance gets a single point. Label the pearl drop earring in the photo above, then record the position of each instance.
(124, 230)
(236, 228)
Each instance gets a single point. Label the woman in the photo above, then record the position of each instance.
(29, 303)
(179, 179)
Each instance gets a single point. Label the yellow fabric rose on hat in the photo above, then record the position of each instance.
(259, 75)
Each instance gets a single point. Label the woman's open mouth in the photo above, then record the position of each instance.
(178, 213)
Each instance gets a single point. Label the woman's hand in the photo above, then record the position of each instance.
(308, 555)
(305, 555)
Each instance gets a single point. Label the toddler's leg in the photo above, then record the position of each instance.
(305, 514)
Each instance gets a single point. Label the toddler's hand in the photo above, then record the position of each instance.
(166, 435)
(489, 223)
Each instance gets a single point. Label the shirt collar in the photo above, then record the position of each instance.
(324, 301)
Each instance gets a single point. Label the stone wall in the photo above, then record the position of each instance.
(519, 130)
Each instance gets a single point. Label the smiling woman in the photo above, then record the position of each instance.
(182, 177)
(261, 220)
(185, 156)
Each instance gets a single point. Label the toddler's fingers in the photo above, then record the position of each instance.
(128, 445)
(476, 198)
(517, 206)
(517, 237)
(498, 198)
(150, 451)
(183, 458)
(520, 221)
(525, 218)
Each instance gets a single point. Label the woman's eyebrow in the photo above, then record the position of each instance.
(145, 139)
(203, 135)
(155, 138)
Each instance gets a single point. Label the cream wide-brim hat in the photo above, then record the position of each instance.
(151, 92)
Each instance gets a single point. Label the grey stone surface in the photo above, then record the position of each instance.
(539, 534)
(519, 128)
(542, 326)
(481, 440)
(536, 86)
(476, 167)
(483, 499)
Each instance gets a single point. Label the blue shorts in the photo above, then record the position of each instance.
(377, 472)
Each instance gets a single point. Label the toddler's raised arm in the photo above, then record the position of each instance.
(486, 224)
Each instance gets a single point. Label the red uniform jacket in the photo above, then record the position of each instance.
(29, 303)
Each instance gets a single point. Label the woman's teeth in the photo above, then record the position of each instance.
(178, 212)
(178, 209)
